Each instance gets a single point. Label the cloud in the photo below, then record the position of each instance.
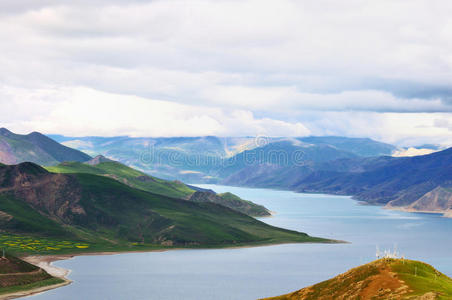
(443, 123)
(403, 129)
(389, 46)
(381, 69)
(82, 111)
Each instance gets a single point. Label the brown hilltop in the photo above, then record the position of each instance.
(381, 279)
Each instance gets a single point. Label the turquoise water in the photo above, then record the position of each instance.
(250, 273)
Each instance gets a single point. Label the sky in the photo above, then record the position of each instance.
(379, 69)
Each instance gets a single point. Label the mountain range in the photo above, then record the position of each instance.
(420, 183)
(359, 167)
(211, 159)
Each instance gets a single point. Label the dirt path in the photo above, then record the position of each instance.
(45, 262)
(22, 273)
(384, 285)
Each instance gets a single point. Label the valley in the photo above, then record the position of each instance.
(100, 205)
(362, 168)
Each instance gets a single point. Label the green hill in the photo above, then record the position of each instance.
(232, 201)
(137, 179)
(381, 279)
(17, 275)
(98, 210)
(127, 175)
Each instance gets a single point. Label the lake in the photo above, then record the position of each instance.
(250, 273)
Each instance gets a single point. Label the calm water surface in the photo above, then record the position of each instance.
(250, 273)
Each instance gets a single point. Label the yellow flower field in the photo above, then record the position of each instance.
(29, 244)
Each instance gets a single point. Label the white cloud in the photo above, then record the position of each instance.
(403, 129)
(372, 68)
(82, 111)
(412, 152)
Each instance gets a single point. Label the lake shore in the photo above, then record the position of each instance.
(444, 213)
(46, 263)
(35, 291)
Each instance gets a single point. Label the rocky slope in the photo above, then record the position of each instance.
(437, 200)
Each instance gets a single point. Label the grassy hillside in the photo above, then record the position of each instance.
(381, 279)
(232, 201)
(127, 175)
(17, 275)
(142, 181)
(98, 210)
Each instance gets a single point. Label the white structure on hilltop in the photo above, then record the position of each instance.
(388, 254)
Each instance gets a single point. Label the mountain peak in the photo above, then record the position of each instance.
(4, 131)
(35, 133)
(98, 159)
(36, 147)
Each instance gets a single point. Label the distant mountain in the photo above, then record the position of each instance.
(102, 211)
(35, 147)
(101, 165)
(419, 183)
(382, 279)
(97, 160)
(278, 163)
(211, 159)
(357, 146)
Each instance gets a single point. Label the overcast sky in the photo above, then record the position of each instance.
(379, 69)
